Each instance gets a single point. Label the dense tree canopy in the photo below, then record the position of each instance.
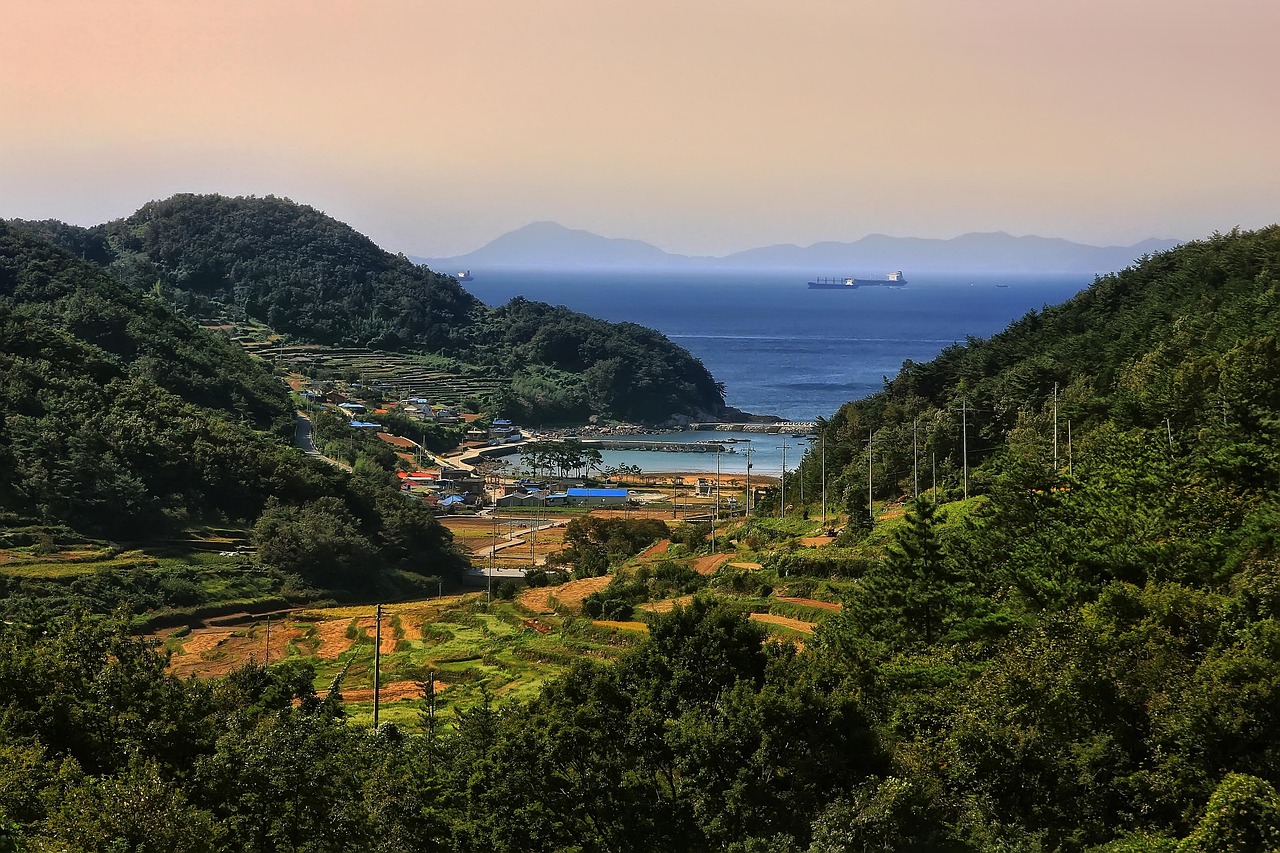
(316, 279)
(120, 419)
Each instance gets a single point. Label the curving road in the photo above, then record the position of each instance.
(303, 441)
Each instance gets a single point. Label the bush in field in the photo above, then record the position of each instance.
(319, 540)
(666, 580)
(691, 536)
(593, 544)
(541, 577)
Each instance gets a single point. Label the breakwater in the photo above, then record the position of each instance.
(661, 446)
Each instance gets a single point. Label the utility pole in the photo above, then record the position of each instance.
(1070, 467)
(493, 556)
(1055, 428)
(431, 706)
(822, 439)
(871, 511)
(715, 513)
(748, 478)
(915, 458)
(713, 533)
(782, 508)
(935, 477)
(266, 654)
(964, 446)
(377, 662)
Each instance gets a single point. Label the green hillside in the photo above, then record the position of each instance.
(1182, 345)
(1082, 654)
(317, 280)
(123, 421)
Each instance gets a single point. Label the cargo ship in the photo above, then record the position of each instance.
(893, 279)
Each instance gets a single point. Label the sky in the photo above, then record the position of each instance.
(701, 126)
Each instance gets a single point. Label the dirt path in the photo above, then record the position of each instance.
(812, 602)
(785, 621)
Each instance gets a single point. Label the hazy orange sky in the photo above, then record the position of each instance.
(701, 126)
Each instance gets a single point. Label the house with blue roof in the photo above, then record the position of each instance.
(597, 497)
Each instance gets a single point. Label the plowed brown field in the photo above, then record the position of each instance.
(655, 549)
(212, 652)
(667, 604)
(392, 692)
(708, 565)
(569, 594)
(333, 638)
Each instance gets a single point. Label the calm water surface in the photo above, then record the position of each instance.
(781, 348)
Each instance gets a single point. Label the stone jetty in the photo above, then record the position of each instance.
(665, 446)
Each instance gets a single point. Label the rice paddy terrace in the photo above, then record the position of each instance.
(404, 373)
(443, 380)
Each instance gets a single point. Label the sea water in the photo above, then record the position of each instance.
(779, 347)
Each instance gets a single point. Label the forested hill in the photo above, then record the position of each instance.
(291, 266)
(314, 278)
(120, 419)
(1184, 343)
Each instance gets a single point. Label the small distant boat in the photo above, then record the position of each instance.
(465, 275)
(893, 279)
(1002, 285)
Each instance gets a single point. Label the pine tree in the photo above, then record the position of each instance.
(913, 595)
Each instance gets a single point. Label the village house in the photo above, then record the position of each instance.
(597, 497)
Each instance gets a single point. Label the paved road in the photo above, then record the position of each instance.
(302, 440)
(516, 539)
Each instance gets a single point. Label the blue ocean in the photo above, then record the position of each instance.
(779, 347)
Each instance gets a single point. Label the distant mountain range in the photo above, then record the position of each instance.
(547, 245)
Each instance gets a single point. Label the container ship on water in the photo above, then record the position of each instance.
(894, 279)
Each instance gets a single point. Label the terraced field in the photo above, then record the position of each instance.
(403, 373)
(458, 642)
